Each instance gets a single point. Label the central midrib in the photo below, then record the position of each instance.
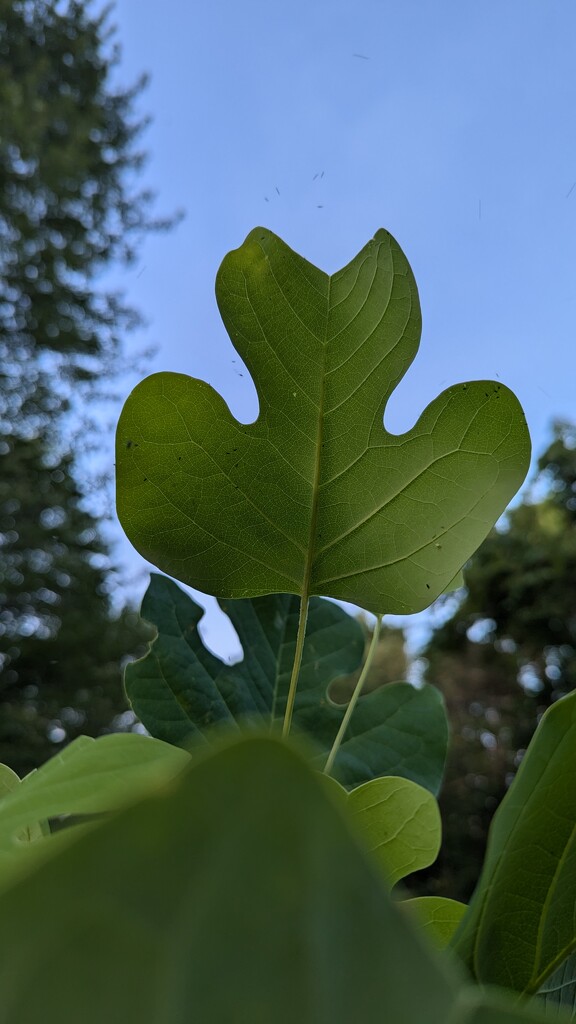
(318, 460)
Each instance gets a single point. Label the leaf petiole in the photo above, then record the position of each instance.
(304, 602)
(354, 698)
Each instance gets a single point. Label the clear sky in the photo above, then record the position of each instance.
(450, 123)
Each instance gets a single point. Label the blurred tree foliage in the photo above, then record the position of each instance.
(504, 655)
(69, 207)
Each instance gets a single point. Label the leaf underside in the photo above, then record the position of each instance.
(521, 923)
(316, 496)
(237, 894)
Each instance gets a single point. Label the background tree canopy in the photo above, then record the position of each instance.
(69, 207)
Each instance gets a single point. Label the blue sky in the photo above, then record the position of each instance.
(451, 124)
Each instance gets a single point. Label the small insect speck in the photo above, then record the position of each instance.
(128, 444)
(315, 176)
(438, 545)
(320, 207)
(322, 175)
(428, 586)
(179, 458)
(266, 200)
(361, 56)
(464, 387)
(277, 189)
(145, 479)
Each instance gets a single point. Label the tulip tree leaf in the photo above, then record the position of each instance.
(399, 823)
(521, 923)
(316, 496)
(180, 688)
(237, 894)
(437, 916)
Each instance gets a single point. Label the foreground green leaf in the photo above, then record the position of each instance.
(179, 689)
(239, 894)
(88, 777)
(521, 923)
(315, 496)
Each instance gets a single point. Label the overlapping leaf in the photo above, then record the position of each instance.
(437, 916)
(180, 689)
(316, 496)
(238, 894)
(399, 823)
(521, 924)
(87, 777)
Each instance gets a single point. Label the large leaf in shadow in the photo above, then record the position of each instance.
(180, 688)
(521, 923)
(397, 729)
(316, 496)
(239, 894)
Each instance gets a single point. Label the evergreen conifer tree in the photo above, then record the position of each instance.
(69, 208)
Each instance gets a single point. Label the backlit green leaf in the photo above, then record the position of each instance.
(399, 823)
(87, 777)
(521, 923)
(8, 780)
(316, 496)
(437, 916)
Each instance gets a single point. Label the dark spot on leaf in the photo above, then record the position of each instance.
(428, 586)
(128, 444)
(145, 479)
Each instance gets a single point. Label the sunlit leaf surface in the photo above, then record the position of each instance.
(316, 496)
